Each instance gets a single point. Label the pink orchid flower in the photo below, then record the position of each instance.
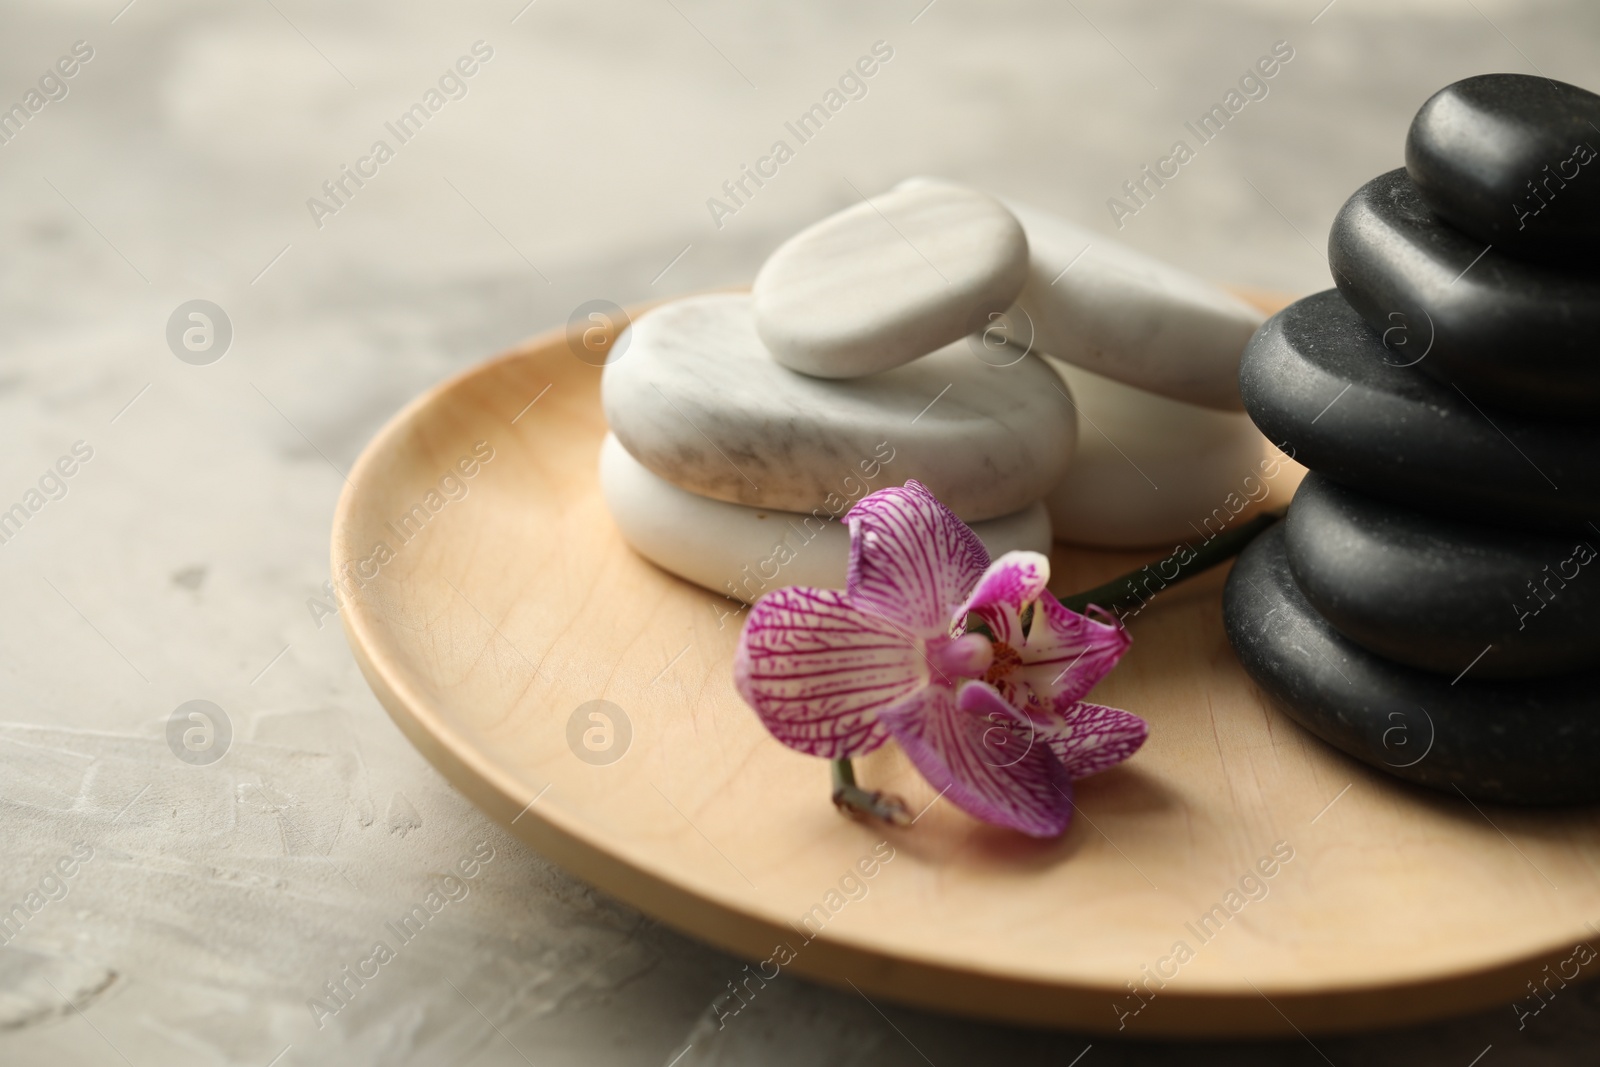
(996, 722)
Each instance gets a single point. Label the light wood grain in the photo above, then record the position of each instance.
(518, 602)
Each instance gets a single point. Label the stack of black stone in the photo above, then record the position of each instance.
(1431, 606)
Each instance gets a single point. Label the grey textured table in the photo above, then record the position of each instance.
(184, 558)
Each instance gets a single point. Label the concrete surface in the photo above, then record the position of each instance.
(181, 563)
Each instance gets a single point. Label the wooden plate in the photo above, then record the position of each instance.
(502, 603)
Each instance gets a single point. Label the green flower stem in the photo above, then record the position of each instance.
(861, 804)
(1126, 596)
(1122, 597)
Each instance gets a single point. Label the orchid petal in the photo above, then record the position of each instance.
(911, 559)
(817, 670)
(1088, 738)
(1013, 581)
(1066, 654)
(973, 747)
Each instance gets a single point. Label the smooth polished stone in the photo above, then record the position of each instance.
(742, 551)
(1506, 332)
(697, 400)
(1316, 381)
(1444, 595)
(1102, 306)
(889, 279)
(1152, 471)
(1518, 742)
(1510, 159)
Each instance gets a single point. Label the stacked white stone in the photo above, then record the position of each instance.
(1151, 354)
(903, 338)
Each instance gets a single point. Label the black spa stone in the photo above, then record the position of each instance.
(1444, 595)
(1510, 159)
(1516, 742)
(1506, 332)
(1319, 382)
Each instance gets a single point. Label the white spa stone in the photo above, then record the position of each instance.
(1125, 315)
(742, 551)
(696, 399)
(1149, 471)
(888, 280)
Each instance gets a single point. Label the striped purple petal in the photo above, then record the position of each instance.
(817, 669)
(978, 751)
(1012, 581)
(1088, 738)
(1066, 654)
(911, 559)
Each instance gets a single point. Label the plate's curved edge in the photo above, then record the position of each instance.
(928, 985)
(918, 982)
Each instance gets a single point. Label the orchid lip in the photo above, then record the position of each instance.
(967, 656)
